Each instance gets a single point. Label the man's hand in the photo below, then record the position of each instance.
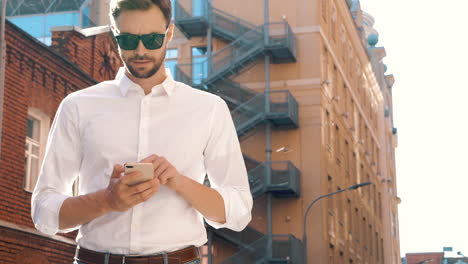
(164, 171)
(121, 197)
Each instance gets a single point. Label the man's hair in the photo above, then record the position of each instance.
(117, 6)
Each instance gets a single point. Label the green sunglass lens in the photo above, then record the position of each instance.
(128, 42)
(150, 41)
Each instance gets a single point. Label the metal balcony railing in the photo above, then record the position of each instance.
(241, 239)
(254, 253)
(228, 26)
(284, 182)
(244, 50)
(283, 109)
(286, 249)
(233, 93)
(226, 61)
(283, 112)
(285, 179)
(249, 114)
(193, 19)
(282, 42)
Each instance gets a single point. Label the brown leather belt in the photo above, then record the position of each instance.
(177, 257)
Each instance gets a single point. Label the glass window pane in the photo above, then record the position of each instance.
(171, 65)
(198, 7)
(33, 128)
(26, 166)
(34, 171)
(199, 51)
(85, 17)
(171, 54)
(199, 70)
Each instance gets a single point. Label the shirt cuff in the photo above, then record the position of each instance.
(46, 214)
(237, 205)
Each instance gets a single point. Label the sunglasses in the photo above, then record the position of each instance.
(151, 41)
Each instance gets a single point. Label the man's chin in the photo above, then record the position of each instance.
(142, 74)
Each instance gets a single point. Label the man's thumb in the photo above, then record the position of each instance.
(118, 169)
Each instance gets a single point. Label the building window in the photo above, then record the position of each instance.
(38, 125)
(199, 8)
(171, 61)
(199, 64)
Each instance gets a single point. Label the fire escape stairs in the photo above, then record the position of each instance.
(247, 43)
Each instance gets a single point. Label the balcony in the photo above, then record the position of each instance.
(282, 42)
(240, 53)
(194, 18)
(190, 18)
(241, 239)
(286, 249)
(284, 182)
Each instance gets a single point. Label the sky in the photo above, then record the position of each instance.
(427, 51)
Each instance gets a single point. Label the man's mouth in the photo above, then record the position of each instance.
(140, 62)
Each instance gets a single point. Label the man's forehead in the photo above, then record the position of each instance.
(146, 21)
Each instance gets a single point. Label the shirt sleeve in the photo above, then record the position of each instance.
(226, 169)
(59, 170)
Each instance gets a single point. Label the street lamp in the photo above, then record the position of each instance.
(304, 235)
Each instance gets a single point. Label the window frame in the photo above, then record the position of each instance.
(44, 127)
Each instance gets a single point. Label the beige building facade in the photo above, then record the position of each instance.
(313, 58)
(312, 106)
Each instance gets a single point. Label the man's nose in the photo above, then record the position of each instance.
(140, 48)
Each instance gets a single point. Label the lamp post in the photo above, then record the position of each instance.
(304, 220)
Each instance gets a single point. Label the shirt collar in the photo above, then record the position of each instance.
(126, 85)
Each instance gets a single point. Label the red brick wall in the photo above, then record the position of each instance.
(39, 77)
(415, 258)
(22, 248)
(97, 55)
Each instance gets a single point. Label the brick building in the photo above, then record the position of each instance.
(38, 77)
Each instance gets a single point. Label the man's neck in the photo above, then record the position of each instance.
(148, 83)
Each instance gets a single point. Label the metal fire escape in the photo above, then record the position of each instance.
(213, 74)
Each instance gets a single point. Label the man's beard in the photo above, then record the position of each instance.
(144, 75)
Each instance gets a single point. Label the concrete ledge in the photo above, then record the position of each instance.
(87, 32)
(35, 232)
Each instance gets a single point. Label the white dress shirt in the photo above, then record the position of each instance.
(114, 122)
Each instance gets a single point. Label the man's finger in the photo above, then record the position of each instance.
(160, 169)
(116, 173)
(149, 159)
(128, 178)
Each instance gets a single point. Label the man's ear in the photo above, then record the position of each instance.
(170, 33)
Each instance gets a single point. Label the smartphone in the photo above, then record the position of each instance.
(146, 170)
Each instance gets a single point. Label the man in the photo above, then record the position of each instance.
(143, 115)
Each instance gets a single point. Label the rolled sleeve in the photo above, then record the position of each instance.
(226, 169)
(59, 170)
